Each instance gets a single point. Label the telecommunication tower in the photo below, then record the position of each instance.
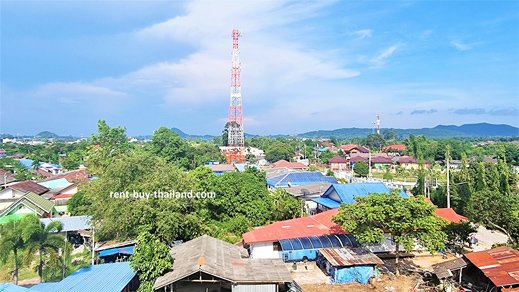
(235, 121)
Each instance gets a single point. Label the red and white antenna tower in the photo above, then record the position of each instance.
(235, 121)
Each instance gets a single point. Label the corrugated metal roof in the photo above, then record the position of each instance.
(443, 270)
(8, 287)
(347, 191)
(100, 278)
(450, 215)
(32, 201)
(73, 223)
(29, 186)
(299, 178)
(293, 165)
(500, 265)
(315, 225)
(56, 183)
(342, 257)
(222, 260)
(327, 202)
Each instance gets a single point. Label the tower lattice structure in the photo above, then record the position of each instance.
(235, 121)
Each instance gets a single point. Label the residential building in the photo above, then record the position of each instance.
(348, 265)
(208, 264)
(495, 269)
(352, 148)
(30, 203)
(6, 177)
(15, 191)
(297, 238)
(338, 194)
(220, 169)
(338, 163)
(394, 149)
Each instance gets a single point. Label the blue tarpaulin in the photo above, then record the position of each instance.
(121, 250)
(353, 274)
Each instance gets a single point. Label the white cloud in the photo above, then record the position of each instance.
(364, 33)
(381, 58)
(461, 46)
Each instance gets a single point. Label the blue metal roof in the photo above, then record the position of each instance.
(327, 202)
(26, 163)
(73, 223)
(347, 191)
(99, 278)
(8, 287)
(316, 242)
(120, 250)
(56, 184)
(299, 178)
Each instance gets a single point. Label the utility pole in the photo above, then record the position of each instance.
(447, 158)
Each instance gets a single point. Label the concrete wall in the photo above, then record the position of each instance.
(255, 288)
(264, 250)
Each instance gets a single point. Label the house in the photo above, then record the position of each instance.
(6, 177)
(103, 277)
(298, 178)
(394, 148)
(348, 265)
(338, 194)
(406, 162)
(72, 176)
(74, 228)
(308, 192)
(113, 251)
(297, 239)
(352, 148)
(15, 191)
(220, 169)
(208, 264)
(381, 162)
(495, 269)
(338, 163)
(31, 203)
(291, 165)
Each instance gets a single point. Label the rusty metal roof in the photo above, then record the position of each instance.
(443, 270)
(341, 257)
(500, 265)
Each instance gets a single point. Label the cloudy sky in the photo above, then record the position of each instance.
(306, 65)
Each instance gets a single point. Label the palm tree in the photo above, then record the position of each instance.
(42, 239)
(12, 241)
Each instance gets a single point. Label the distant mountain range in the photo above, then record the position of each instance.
(441, 131)
(480, 130)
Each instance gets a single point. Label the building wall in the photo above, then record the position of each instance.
(9, 194)
(334, 196)
(255, 288)
(264, 250)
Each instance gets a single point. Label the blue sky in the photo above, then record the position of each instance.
(306, 65)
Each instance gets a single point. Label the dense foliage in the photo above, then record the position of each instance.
(407, 221)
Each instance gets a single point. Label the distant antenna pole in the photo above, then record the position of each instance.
(377, 125)
(447, 158)
(235, 121)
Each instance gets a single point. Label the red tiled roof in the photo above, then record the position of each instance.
(450, 215)
(315, 225)
(62, 196)
(358, 158)
(78, 175)
(284, 163)
(381, 159)
(348, 147)
(337, 159)
(394, 147)
(327, 144)
(406, 159)
(29, 186)
(500, 265)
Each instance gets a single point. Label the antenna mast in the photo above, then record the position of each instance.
(235, 121)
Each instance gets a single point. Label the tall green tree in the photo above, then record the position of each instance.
(12, 242)
(408, 222)
(361, 169)
(41, 240)
(150, 260)
(167, 144)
